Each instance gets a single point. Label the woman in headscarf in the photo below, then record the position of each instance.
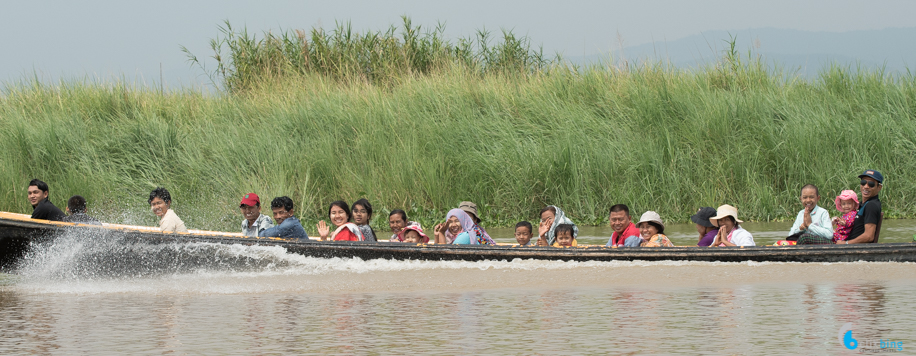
(339, 214)
(362, 215)
(551, 217)
(460, 229)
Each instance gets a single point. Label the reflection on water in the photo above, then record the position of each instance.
(339, 306)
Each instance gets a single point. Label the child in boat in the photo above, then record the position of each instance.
(651, 230)
(414, 234)
(523, 234)
(847, 203)
(564, 236)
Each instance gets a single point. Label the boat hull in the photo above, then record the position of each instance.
(18, 234)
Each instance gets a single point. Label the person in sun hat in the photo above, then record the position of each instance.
(705, 228)
(865, 226)
(652, 229)
(730, 232)
(847, 203)
(471, 209)
(254, 222)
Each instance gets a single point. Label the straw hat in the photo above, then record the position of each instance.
(723, 211)
(651, 216)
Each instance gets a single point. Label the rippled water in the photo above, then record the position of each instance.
(87, 294)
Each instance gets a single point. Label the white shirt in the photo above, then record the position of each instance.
(172, 223)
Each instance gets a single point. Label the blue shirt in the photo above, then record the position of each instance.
(462, 239)
(290, 228)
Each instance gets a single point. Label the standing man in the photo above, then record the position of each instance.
(41, 206)
(254, 221)
(160, 202)
(865, 226)
(623, 226)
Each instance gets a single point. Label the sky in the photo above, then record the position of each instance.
(132, 40)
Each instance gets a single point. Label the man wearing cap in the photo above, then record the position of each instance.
(706, 229)
(254, 221)
(865, 226)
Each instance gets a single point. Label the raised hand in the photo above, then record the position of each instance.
(544, 227)
(323, 230)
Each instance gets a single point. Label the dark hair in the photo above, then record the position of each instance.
(282, 202)
(546, 208)
(620, 207)
(816, 191)
(659, 227)
(727, 217)
(524, 224)
(38, 183)
(365, 204)
(76, 204)
(160, 193)
(564, 228)
(398, 212)
(343, 205)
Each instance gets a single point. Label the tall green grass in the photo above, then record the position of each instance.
(649, 136)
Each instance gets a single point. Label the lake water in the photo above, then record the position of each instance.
(70, 299)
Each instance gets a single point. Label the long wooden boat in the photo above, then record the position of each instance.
(19, 233)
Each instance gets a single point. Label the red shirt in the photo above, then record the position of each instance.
(346, 235)
(618, 240)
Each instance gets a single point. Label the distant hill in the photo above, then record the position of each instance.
(803, 52)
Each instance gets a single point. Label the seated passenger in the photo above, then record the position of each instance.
(706, 229)
(76, 212)
(652, 231)
(160, 202)
(865, 225)
(397, 221)
(565, 235)
(339, 214)
(288, 226)
(812, 225)
(42, 208)
(551, 217)
(414, 234)
(848, 204)
(730, 233)
(623, 226)
(254, 222)
(362, 216)
(460, 229)
(523, 234)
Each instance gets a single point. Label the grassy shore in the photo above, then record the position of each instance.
(583, 139)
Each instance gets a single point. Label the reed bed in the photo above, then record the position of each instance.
(422, 140)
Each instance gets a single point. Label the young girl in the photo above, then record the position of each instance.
(362, 215)
(847, 203)
(414, 234)
(339, 214)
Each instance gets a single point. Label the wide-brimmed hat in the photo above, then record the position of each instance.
(723, 211)
(651, 216)
(418, 229)
(702, 216)
(470, 208)
(846, 195)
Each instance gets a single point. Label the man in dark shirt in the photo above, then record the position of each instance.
(41, 206)
(865, 226)
(76, 207)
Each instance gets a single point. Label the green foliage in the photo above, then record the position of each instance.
(584, 139)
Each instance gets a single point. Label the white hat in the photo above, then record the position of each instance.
(723, 211)
(651, 216)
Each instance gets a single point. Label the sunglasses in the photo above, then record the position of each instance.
(870, 183)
